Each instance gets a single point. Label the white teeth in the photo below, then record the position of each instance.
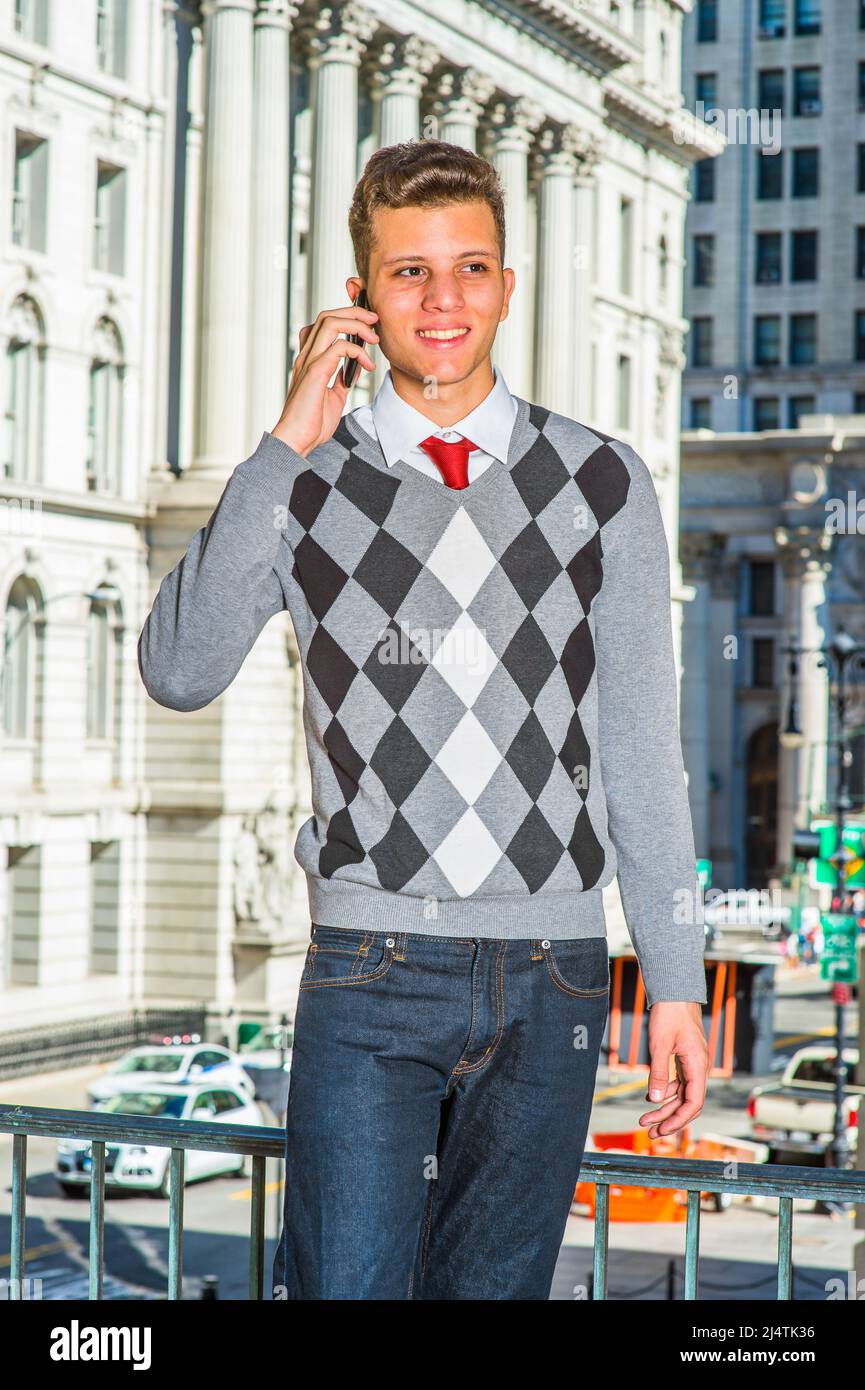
(442, 332)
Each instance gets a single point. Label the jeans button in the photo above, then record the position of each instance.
(545, 945)
(390, 941)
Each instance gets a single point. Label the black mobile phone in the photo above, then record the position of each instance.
(351, 366)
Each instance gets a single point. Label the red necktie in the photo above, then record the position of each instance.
(451, 458)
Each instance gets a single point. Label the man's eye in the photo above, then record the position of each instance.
(478, 264)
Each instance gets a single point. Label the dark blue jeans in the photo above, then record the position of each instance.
(438, 1108)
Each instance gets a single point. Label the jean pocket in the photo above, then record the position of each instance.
(342, 956)
(580, 966)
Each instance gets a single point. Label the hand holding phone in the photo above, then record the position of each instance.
(313, 408)
(351, 366)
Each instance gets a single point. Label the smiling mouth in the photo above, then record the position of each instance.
(442, 335)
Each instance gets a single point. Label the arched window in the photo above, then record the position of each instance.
(105, 410)
(18, 673)
(103, 667)
(25, 354)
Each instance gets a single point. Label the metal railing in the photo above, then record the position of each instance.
(784, 1181)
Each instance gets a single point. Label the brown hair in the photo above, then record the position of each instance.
(421, 173)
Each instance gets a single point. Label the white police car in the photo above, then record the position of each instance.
(146, 1166)
(179, 1064)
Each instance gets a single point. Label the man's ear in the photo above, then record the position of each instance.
(354, 285)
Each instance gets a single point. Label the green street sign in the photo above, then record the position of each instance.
(854, 842)
(704, 873)
(839, 958)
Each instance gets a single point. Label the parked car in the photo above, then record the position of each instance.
(190, 1062)
(146, 1166)
(796, 1115)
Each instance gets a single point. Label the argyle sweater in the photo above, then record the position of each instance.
(490, 695)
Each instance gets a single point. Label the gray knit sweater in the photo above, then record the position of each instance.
(490, 699)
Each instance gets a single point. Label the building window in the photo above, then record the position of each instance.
(704, 260)
(626, 236)
(859, 403)
(623, 395)
(31, 20)
(806, 173)
(767, 270)
(763, 663)
(861, 86)
(105, 868)
(767, 340)
(20, 652)
(103, 666)
(772, 19)
(806, 16)
(663, 268)
(706, 88)
(803, 255)
(770, 90)
(860, 168)
(704, 181)
(707, 21)
(803, 338)
(701, 342)
(770, 174)
(111, 36)
(767, 414)
(23, 945)
(761, 588)
(105, 411)
(806, 92)
(859, 335)
(109, 229)
(860, 253)
(797, 406)
(25, 360)
(700, 413)
(30, 191)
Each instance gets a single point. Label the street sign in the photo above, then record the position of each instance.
(853, 850)
(704, 873)
(838, 959)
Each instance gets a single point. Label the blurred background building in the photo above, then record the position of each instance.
(773, 417)
(177, 181)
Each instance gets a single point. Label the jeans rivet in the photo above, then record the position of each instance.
(545, 944)
(390, 941)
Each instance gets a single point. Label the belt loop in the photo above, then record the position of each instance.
(537, 953)
(361, 954)
(399, 954)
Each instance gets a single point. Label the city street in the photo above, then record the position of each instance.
(737, 1246)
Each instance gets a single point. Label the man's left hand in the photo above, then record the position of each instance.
(676, 1031)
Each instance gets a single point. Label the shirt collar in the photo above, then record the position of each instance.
(400, 427)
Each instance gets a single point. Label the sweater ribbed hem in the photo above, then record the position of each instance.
(558, 916)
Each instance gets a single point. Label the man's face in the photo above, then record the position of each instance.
(437, 271)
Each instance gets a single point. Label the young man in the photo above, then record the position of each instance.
(480, 591)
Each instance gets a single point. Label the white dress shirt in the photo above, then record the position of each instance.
(399, 428)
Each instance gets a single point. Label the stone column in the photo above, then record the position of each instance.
(802, 771)
(555, 167)
(699, 551)
(399, 71)
(188, 384)
(461, 98)
(513, 122)
(337, 37)
(223, 435)
(584, 273)
(268, 309)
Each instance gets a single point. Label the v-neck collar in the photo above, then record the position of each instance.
(523, 436)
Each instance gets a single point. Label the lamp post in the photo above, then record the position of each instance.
(105, 593)
(840, 652)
